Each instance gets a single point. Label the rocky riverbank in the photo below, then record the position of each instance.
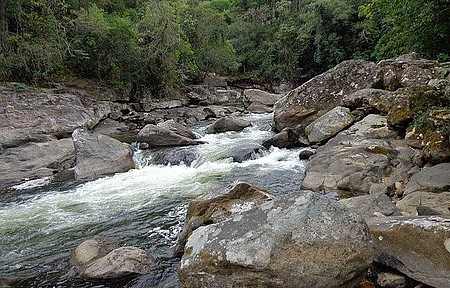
(382, 134)
(78, 132)
(380, 137)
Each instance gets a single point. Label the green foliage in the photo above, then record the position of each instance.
(159, 45)
(401, 27)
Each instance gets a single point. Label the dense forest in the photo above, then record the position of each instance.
(159, 45)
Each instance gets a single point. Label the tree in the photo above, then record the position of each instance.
(400, 27)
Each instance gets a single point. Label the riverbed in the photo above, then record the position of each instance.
(40, 222)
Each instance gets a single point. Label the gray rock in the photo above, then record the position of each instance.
(227, 124)
(102, 259)
(432, 179)
(305, 154)
(354, 160)
(117, 130)
(215, 80)
(439, 202)
(367, 205)
(407, 70)
(98, 155)
(174, 156)
(120, 262)
(247, 153)
(288, 138)
(261, 97)
(227, 97)
(35, 160)
(322, 93)
(298, 240)
(31, 115)
(329, 124)
(219, 205)
(369, 97)
(89, 250)
(259, 108)
(419, 247)
(168, 133)
(178, 129)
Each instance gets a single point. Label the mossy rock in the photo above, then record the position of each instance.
(437, 147)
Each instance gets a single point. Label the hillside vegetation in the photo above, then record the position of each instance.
(157, 46)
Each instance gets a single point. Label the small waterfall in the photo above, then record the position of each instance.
(144, 207)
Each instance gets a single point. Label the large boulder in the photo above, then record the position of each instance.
(253, 96)
(226, 97)
(408, 70)
(168, 133)
(298, 240)
(217, 206)
(355, 161)
(101, 259)
(432, 179)
(227, 124)
(98, 155)
(322, 93)
(381, 100)
(35, 160)
(329, 124)
(31, 116)
(416, 246)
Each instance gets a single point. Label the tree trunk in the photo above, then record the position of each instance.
(3, 25)
(296, 5)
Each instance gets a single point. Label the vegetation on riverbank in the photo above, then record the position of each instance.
(157, 46)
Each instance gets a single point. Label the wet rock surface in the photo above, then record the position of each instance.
(227, 124)
(101, 259)
(298, 240)
(168, 133)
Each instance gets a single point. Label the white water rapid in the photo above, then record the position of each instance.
(40, 224)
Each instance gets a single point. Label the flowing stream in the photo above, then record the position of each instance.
(40, 224)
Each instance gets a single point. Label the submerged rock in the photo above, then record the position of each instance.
(419, 247)
(174, 156)
(298, 240)
(227, 124)
(98, 155)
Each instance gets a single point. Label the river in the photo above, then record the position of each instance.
(41, 223)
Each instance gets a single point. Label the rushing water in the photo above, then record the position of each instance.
(40, 224)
